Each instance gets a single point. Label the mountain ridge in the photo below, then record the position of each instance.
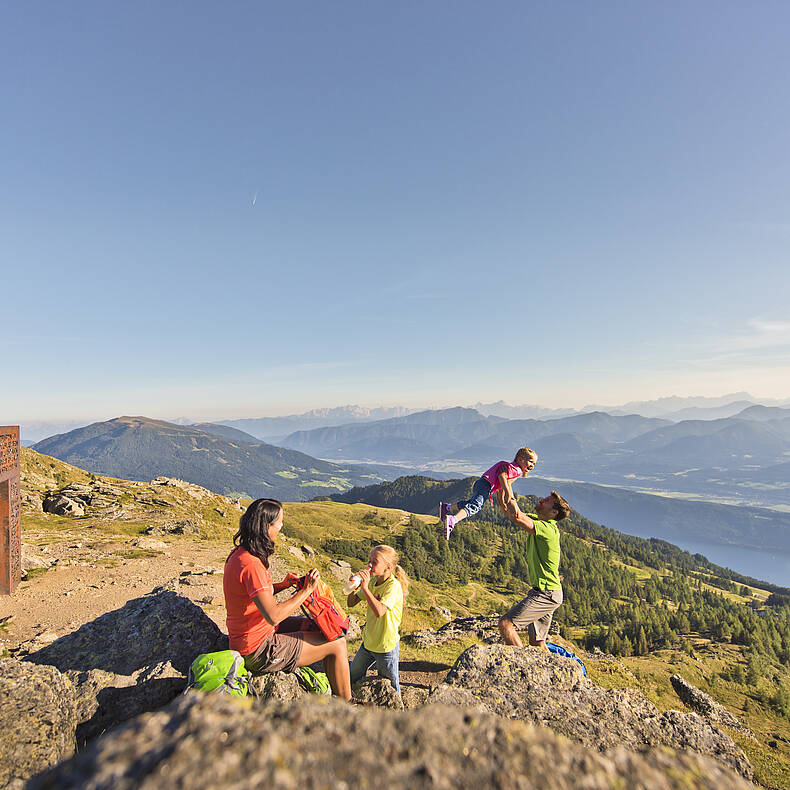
(143, 448)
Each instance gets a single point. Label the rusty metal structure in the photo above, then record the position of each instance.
(10, 526)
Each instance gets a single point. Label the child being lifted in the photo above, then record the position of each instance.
(494, 481)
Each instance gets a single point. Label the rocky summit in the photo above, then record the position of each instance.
(209, 742)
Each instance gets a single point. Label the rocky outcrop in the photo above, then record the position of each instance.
(184, 526)
(63, 506)
(277, 686)
(706, 706)
(34, 559)
(207, 741)
(105, 699)
(38, 711)
(484, 627)
(538, 686)
(155, 628)
(377, 691)
(195, 491)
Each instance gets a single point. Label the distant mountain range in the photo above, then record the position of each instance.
(274, 428)
(739, 459)
(270, 429)
(216, 457)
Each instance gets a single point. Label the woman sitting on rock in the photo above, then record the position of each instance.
(259, 627)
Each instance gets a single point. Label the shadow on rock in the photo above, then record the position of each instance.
(158, 627)
(105, 699)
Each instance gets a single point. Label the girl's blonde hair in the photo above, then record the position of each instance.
(390, 556)
(525, 452)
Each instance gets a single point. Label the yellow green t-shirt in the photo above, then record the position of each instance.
(380, 634)
(543, 554)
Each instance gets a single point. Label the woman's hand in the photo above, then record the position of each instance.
(311, 580)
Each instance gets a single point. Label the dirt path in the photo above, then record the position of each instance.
(91, 576)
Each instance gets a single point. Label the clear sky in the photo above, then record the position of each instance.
(250, 208)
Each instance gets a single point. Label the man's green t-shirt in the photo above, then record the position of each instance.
(543, 554)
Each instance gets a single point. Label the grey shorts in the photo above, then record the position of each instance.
(535, 612)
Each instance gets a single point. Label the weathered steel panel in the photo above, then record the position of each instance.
(10, 526)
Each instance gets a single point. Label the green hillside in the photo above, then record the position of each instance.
(627, 511)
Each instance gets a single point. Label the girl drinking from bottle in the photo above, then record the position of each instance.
(384, 585)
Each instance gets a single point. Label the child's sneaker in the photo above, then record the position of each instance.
(444, 510)
(449, 525)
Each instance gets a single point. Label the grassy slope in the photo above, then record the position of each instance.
(311, 523)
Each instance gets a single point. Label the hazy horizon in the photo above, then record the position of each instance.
(264, 413)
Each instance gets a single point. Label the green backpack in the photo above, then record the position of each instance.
(221, 673)
(314, 682)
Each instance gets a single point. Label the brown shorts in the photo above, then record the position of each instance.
(535, 612)
(278, 653)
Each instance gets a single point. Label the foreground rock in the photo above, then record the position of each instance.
(207, 741)
(377, 691)
(105, 699)
(277, 686)
(537, 686)
(37, 719)
(156, 628)
(705, 705)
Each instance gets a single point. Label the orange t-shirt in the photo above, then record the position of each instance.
(245, 575)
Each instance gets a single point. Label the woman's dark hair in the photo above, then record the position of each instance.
(254, 524)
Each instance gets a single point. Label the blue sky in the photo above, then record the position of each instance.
(242, 209)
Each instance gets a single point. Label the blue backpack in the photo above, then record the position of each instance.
(561, 651)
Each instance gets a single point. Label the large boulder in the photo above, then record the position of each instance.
(377, 691)
(37, 719)
(155, 628)
(276, 685)
(105, 699)
(538, 686)
(63, 506)
(209, 741)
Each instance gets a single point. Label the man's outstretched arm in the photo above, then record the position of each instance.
(522, 520)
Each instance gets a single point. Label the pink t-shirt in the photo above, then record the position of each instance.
(492, 475)
(245, 575)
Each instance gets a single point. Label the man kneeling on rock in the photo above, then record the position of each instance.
(543, 559)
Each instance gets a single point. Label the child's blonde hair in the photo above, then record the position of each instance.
(390, 556)
(524, 453)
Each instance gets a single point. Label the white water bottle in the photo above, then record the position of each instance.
(352, 584)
